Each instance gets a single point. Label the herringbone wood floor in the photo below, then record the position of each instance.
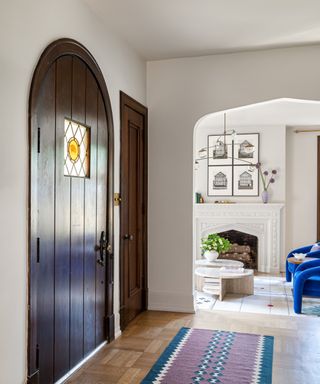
(128, 359)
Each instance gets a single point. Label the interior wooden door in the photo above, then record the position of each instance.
(70, 227)
(133, 236)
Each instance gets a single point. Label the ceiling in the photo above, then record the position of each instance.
(162, 29)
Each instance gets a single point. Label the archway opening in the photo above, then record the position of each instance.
(229, 179)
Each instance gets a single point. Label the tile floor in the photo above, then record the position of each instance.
(272, 295)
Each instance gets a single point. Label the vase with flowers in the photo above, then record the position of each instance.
(267, 178)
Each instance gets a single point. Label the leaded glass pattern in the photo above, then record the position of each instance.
(76, 149)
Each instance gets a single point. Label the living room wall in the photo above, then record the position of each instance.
(179, 92)
(27, 27)
(301, 186)
(270, 136)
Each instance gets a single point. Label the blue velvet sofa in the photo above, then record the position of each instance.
(306, 282)
(291, 268)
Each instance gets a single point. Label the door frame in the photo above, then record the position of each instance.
(55, 50)
(126, 100)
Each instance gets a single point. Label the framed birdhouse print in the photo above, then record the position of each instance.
(245, 181)
(220, 181)
(246, 148)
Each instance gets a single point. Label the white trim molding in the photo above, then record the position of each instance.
(261, 220)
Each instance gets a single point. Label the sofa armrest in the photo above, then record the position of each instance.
(308, 265)
(300, 278)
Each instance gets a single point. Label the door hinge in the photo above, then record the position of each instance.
(38, 142)
(117, 199)
(38, 249)
(37, 356)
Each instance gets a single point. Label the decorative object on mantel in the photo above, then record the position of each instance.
(224, 202)
(212, 245)
(199, 198)
(267, 178)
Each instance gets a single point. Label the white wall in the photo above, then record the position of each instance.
(301, 192)
(179, 92)
(26, 28)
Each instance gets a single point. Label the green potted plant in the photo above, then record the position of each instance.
(214, 244)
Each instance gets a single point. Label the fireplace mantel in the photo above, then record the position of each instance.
(261, 220)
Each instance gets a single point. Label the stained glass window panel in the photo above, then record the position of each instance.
(76, 149)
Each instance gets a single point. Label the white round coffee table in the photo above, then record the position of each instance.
(219, 282)
(219, 263)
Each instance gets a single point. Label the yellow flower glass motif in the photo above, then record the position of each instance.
(73, 149)
(76, 149)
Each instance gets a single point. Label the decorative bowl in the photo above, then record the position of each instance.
(299, 256)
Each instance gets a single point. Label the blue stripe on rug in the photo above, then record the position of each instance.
(160, 363)
(266, 363)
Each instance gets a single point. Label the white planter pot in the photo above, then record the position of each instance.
(211, 255)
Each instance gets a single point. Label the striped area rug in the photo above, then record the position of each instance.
(206, 356)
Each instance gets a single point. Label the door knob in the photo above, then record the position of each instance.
(128, 237)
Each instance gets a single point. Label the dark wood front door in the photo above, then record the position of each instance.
(70, 217)
(133, 232)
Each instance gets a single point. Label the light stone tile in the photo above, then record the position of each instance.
(252, 308)
(233, 306)
(280, 307)
(234, 297)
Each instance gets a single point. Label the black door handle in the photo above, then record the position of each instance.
(128, 237)
(102, 247)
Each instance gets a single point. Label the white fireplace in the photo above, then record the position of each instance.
(261, 220)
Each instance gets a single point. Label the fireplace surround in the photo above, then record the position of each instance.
(256, 219)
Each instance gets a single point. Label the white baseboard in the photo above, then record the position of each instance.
(170, 301)
(117, 333)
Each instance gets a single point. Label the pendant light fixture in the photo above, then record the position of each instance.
(221, 146)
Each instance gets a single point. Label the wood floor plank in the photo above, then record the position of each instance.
(132, 376)
(124, 358)
(155, 346)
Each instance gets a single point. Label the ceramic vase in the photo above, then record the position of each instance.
(211, 255)
(265, 196)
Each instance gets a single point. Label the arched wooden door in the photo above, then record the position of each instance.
(71, 223)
